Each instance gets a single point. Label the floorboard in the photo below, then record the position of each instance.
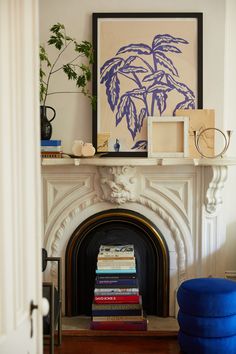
(117, 345)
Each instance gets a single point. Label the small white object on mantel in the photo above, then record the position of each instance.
(77, 147)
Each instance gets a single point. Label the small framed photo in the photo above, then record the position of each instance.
(168, 136)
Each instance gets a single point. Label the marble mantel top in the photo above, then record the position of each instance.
(129, 161)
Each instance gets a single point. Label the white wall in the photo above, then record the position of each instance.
(74, 115)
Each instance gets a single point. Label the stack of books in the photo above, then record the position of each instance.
(51, 149)
(117, 302)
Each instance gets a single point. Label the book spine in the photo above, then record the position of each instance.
(116, 306)
(118, 290)
(125, 293)
(51, 155)
(118, 318)
(116, 248)
(127, 312)
(115, 267)
(115, 255)
(101, 258)
(117, 299)
(50, 142)
(111, 271)
(108, 276)
(120, 284)
(119, 325)
(51, 148)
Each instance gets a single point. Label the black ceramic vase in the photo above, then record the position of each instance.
(46, 127)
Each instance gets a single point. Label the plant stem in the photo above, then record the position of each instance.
(144, 95)
(153, 95)
(145, 62)
(51, 70)
(70, 62)
(127, 76)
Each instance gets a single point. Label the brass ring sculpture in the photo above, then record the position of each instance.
(197, 136)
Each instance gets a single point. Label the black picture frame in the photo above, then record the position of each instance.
(195, 18)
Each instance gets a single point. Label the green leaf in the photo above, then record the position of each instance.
(43, 55)
(57, 41)
(81, 81)
(71, 74)
(57, 27)
(86, 71)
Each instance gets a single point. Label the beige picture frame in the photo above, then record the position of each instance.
(168, 136)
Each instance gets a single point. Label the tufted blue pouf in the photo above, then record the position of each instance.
(207, 316)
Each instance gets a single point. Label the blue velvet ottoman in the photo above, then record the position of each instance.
(207, 316)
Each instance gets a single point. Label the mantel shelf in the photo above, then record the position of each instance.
(129, 161)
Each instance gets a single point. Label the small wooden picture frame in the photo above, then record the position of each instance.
(168, 136)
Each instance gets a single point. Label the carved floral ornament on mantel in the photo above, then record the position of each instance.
(118, 183)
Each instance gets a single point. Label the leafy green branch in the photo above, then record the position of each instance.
(75, 70)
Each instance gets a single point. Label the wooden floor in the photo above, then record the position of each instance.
(117, 345)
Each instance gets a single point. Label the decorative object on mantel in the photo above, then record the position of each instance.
(153, 68)
(81, 149)
(200, 119)
(51, 149)
(198, 135)
(77, 147)
(168, 136)
(88, 150)
(45, 124)
(74, 69)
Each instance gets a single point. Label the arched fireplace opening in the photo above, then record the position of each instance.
(117, 227)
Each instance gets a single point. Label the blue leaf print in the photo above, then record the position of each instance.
(112, 90)
(140, 145)
(141, 117)
(166, 38)
(168, 48)
(130, 59)
(131, 118)
(161, 98)
(109, 67)
(162, 59)
(159, 86)
(157, 75)
(180, 87)
(149, 83)
(133, 69)
(137, 92)
(186, 104)
(122, 108)
(139, 48)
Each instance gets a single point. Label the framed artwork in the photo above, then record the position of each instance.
(146, 64)
(168, 136)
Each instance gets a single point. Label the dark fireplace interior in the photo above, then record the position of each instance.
(117, 227)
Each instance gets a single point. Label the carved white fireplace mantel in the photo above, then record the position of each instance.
(180, 196)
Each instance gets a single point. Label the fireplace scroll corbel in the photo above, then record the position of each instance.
(215, 178)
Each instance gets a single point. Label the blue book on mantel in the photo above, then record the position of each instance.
(50, 142)
(114, 271)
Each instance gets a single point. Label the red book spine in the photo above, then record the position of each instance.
(119, 299)
(119, 325)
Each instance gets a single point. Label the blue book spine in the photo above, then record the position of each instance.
(115, 271)
(50, 142)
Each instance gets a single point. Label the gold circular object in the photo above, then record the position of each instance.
(198, 135)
